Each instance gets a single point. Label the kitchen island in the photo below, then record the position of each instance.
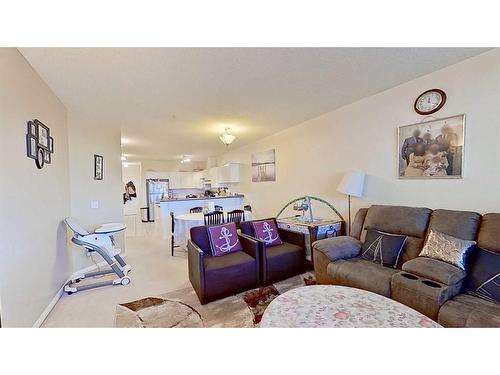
(183, 205)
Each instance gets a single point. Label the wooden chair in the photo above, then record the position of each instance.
(214, 218)
(247, 207)
(219, 208)
(172, 243)
(236, 216)
(195, 210)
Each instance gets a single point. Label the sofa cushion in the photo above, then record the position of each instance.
(363, 274)
(459, 224)
(447, 248)
(223, 239)
(408, 221)
(342, 247)
(468, 311)
(489, 233)
(283, 249)
(383, 248)
(435, 270)
(232, 260)
(267, 231)
(484, 275)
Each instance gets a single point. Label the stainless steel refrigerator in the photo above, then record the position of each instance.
(156, 190)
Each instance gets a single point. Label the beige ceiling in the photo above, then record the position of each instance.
(171, 102)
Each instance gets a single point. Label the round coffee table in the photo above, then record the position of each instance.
(326, 306)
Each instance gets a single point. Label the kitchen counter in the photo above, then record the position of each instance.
(202, 198)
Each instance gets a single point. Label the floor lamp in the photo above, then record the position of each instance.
(352, 185)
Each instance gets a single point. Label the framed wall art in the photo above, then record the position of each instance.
(98, 167)
(432, 149)
(39, 143)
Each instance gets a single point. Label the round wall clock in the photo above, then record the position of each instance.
(40, 158)
(430, 101)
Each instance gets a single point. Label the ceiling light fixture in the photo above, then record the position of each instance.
(227, 138)
(185, 160)
(123, 158)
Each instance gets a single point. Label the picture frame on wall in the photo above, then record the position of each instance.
(43, 135)
(432, 149)
(98, 167)
(31, 146)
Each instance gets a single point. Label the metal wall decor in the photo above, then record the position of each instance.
(39, 143)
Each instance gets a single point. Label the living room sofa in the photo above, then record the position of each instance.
(433, 287)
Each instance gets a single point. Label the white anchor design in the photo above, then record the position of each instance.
(269, 231)
(225, 234)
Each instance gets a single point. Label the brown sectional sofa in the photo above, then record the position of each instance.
(433, 287)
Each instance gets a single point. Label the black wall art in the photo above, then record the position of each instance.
(98, 167)
(39, 143)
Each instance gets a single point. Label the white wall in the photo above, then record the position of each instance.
(312, 157)
(34, 261)
(87, 137)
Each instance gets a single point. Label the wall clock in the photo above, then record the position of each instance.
(430, 101)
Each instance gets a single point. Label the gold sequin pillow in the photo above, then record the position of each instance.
(449, 249)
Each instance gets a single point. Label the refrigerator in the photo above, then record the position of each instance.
(156, 190)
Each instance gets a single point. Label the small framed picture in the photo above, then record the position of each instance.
(98, 167)
(43, 135)
(47, 156)
(32, 129)
(31, 146)
(51, 145)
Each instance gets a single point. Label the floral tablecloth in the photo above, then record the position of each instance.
(339, 306)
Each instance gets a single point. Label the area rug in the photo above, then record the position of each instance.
(181, 308)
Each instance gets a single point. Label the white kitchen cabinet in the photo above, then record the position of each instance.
(174, 180)
(229, 173)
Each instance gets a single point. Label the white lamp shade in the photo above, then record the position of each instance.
(352, 184)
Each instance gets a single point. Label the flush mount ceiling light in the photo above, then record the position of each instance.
(227, 138)
(185, 160)
(123, 158)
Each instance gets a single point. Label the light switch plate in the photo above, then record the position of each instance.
(94, 204)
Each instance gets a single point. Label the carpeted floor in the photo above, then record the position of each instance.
(181, 308)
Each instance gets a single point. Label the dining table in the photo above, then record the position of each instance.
(184, 222)
(182, 226)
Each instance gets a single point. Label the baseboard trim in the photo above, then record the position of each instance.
(60, 292)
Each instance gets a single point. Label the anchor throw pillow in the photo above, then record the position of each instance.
(224, 239)
(266, 231)
(383, 248)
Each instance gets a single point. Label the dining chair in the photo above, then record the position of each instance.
(247, 208)
(172, 243)
(195, 210)
(219, 208)
(236, 216)
(214, 218)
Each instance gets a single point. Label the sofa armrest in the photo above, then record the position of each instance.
(295, 238)
(251, 246)
(336, 248)
(196, 268)
(321, 262)
(435, 270)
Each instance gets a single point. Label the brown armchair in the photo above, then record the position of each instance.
(282, 261)
(218, 277)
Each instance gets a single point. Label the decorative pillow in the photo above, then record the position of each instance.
(266, 231)
(484, 275)
(223, 239)
(449, 249)
(383, 248)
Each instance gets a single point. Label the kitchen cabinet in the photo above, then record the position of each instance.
(229, 173)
